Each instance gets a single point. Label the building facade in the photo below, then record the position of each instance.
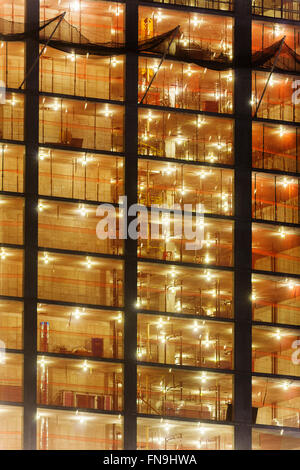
(142, 344)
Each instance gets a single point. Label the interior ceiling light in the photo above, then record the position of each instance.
(203, 377)
(286, 386)
(46, 258)
(282, 131)
(82, 210)
(75, 5)
(286, 183)
(159, 16)
(78, 313)
(3, 254)
(278, 334)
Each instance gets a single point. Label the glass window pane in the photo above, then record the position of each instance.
(167, 184)
(11, 220)
(276, 248)
(210, 4)
(90, 76)
(266, 34)
(65, 430)
(275, 147)
(180, 435)
(75, 228)
(85, 280)
(98, 21)
(277, 401)
(180, 85)
(80, 331)
(185, 394)
(80, 384)
(12, 167)
(278, 102)
(84, 125)
(215, 246)
(13, 10)
(77, 175)
(185, 342)
(12, 63)
(11, 378)
(12, 117)
(190, 291)
(275, 351)
(11, 272)
(11, 324)
(186, 136)
(289, 10)
(275, 197)
(271, 439)
(213, 33)
(11, 427)
(275, 299)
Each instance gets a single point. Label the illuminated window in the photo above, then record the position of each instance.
(276, 147)
(166, 184)
(12, 10)
(275, 197)
(277, 9)
(275, 351)
(80, 331)
(215, 249)
(185, 394)
(276, 299)
(78, 175)
(12, 117)
(75, 227)
(180, 85)
(81, 279)
(277, 401)
(99, 21)
(275, 248)
(11, 378)
(11, 167)
(210, 4)
(272, 439)
(11, 323)
(73, 123)
(185, 290)
(12, 63)
(11, 427)
(266, 34)
(79, 384)
(212, 32)
(184, 342)
(11, 272)
(89, 76)
(280, 100)
(11, 220)
(65, 430)
(154, 434)
(185, 136)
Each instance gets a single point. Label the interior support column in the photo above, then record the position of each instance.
(31, 130)
(131, 182)
(243, 196)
